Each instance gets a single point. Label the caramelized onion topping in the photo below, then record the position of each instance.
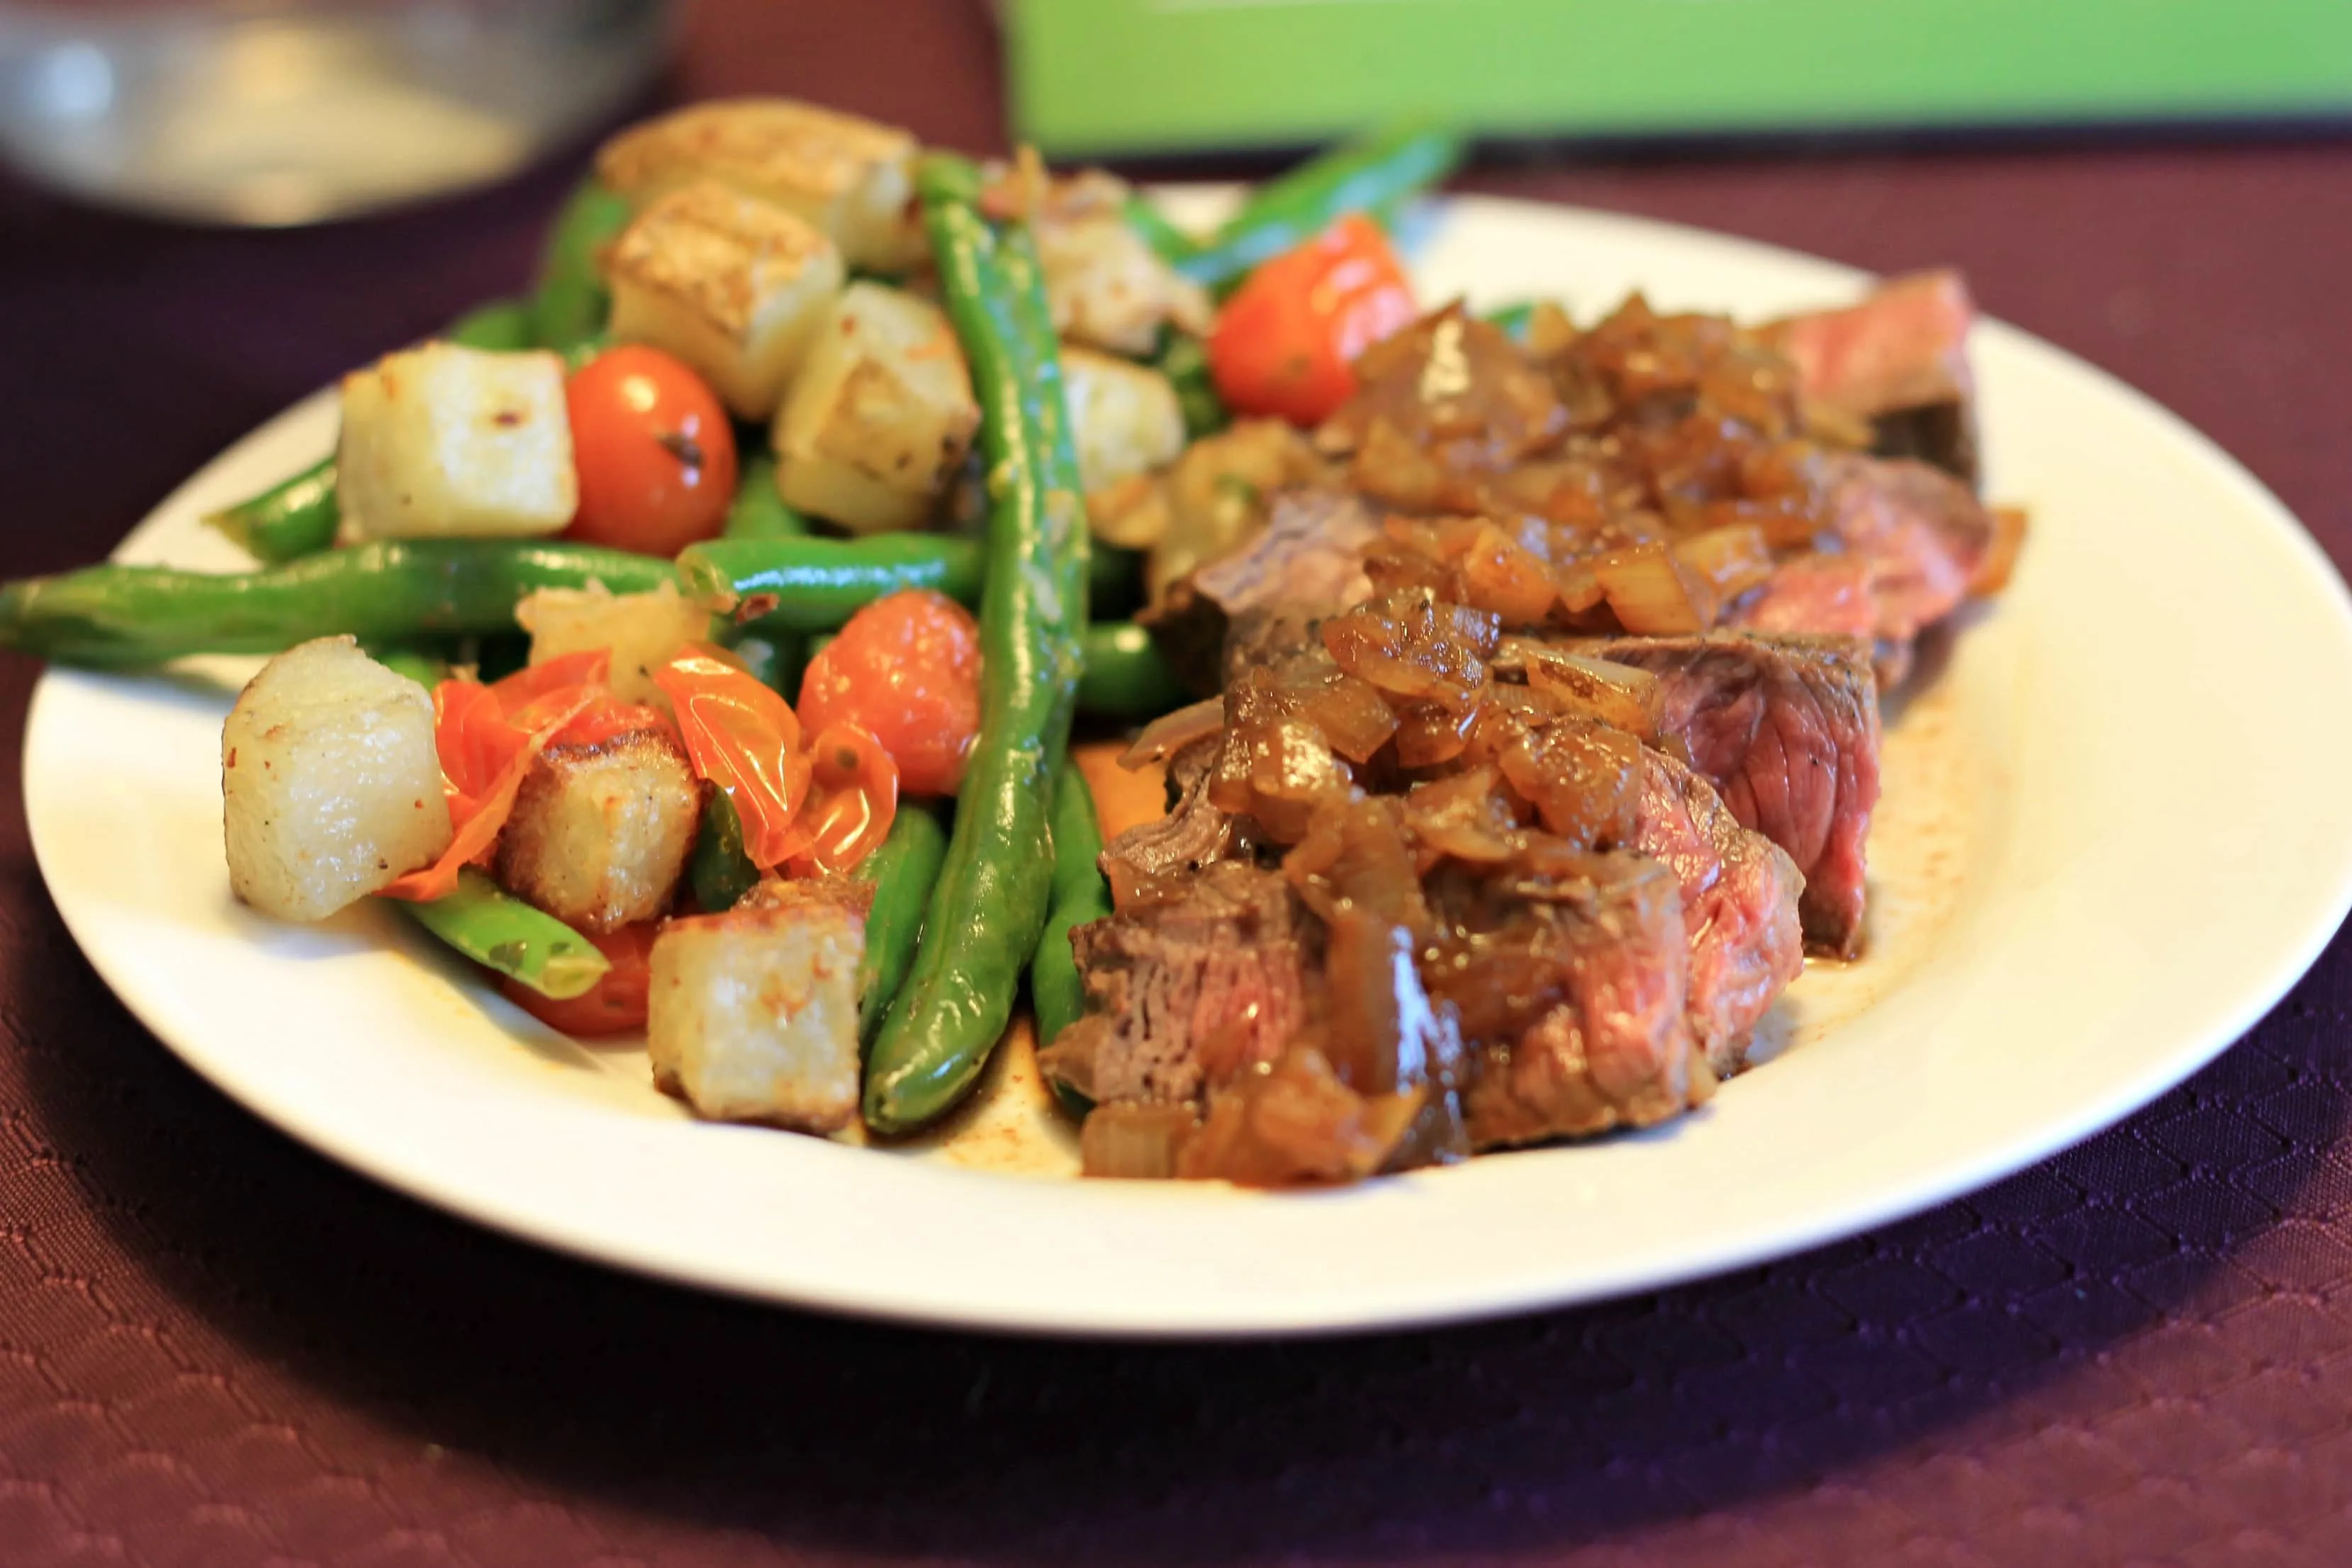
(1583, 781)
(1636, 475)
(1295, 1122)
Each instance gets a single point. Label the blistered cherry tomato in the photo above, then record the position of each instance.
(852, 799)
(614, 1004)
(906, 669)
(1285, 344)
(654, 450)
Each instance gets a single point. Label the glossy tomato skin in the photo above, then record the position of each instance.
(654, 450)
(906, 669)
(617, 1003)
(1285, 344)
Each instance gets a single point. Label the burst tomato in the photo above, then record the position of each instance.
(906, 669)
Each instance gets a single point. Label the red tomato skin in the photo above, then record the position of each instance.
(614, 1004)
(906, 668)
(654, 451)
(1285, 344)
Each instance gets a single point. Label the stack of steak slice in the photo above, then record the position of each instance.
(1435, 887)
(1567, 989)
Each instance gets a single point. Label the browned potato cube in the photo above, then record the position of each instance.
(852, 178)
(599, 833)
(754, 1014)
(329, 784)
(733, 286)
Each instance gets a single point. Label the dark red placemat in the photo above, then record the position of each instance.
(217, 1348)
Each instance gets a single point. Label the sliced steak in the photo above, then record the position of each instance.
(1739, 904)
(1899, 361)
(1571, 986)
(1306, 562)
(1224, 963)
(1786, 728)
(1910, 540)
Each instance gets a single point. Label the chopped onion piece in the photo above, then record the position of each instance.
(1652, 594)
(1733, 559)
(1347, 711)
(1584, 781)
(1171, 732)
(1499, 573)
(1616, 695)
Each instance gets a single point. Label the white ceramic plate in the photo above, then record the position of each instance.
(2115, 833)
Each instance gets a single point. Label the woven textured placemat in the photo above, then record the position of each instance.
(217, 1348)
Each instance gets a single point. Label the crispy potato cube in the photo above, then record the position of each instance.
(1124, 417)
(329, 784)
(850, 177)
(443, 440)
(733, 286)
(881, 415)
(1108, 289)
(601, 832)
(644, 631)
(754, 1014)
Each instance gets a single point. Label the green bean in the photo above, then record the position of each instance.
(114, 617)
(1126, 676)
(719, 871)
(758, 511)
(525, 945)
(502, 325)
(1151, 226)
(1375, 172)
(815, 584)
(571, 302)
(1080, 897)
(1183, 359)
(995, 885)
(579, 351)
(291, 519)
(902, 870)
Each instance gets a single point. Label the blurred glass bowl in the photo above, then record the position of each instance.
(284, 113)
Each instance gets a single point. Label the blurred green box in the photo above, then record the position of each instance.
(1101, 76)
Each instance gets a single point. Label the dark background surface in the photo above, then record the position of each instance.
(218, 1348)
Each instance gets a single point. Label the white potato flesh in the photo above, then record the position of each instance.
(733, 286)
(753, 1014)
(641, 631)
(874, 430)
(1124, 416)
(852, 178)
(601, 832)
(331, 787)
(444, 441)
(1107, 288)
